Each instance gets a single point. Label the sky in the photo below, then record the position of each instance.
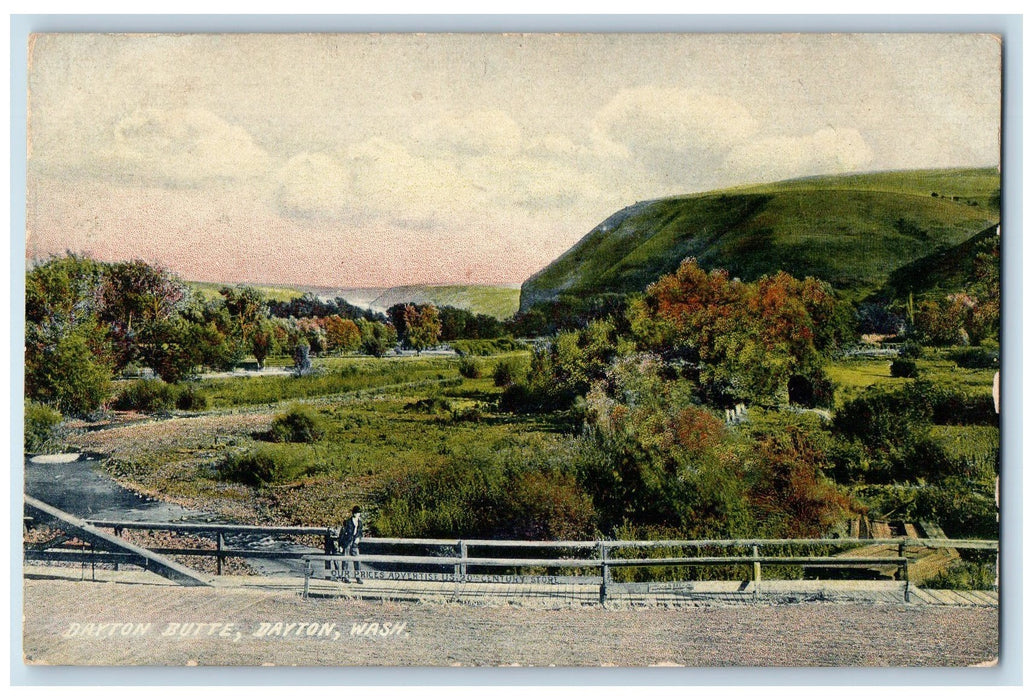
(357, 160)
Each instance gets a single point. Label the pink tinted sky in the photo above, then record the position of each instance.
(378, 160)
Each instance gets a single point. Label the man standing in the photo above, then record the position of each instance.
(348, 541)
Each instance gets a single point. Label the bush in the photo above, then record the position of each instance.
(73, 376)
(974, 358)
(470, 368)
(965, 576)
(191, 399)
(299, 424)
(266, 465)
(911, 350)
(468, 414)
(431, 404)
(146, 395)
(514, 491)
(484, 347)
(507, 372)
(907, 369)
(811, 392)
(40, 422)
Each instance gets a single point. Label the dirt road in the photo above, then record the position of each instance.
(98, 623)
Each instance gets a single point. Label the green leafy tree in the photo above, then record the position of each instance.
(71, 375)
(246, 310)
(377, 338)
(64, 339)
(135, 295)
(423, 327)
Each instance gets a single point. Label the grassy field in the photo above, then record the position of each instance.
(332, 376)
(382, 421)
(853, 375)
(411, 439)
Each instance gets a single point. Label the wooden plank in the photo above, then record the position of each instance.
(79, 528)
(919, 595)
(935, 596)
(970, 597)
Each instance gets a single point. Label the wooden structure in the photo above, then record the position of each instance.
(461, 561)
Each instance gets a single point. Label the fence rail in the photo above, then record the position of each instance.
(453, 562)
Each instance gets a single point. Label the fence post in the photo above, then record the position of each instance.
(605, 572)
(907, 574)
(756, 572)
(461, 566)
(219, 544)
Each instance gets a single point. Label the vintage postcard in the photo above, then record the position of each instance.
(570, 350)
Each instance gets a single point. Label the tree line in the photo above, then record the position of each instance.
(87, 321)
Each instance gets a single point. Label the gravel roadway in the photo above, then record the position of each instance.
(231, 626)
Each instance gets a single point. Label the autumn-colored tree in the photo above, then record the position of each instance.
(312, 332)
(342, 334)
(263, 340)
(742, 341)
(942, 322)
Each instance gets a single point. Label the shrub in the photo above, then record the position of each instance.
(469, 368)
(506, 372)
(974, 358)
(811, 391)
(191, 399)
(964, 576)
(299, 424)
(484, 347)
(263, 466)
(431, 404)
(40, 422)
(503, 492)
(146, 395)
(468, 414)
(911, 350)
(73, 376)
(904, 368)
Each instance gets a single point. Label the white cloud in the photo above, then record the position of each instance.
(647, 119)
(485, 132)
(826, 151)
(179, 147)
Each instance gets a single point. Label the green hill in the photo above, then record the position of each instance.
(942, 272)
(500, 302)
(210, 290)
(853, 231)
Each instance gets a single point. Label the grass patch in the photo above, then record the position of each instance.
(338, 376)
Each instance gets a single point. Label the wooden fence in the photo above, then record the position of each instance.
(586, 562)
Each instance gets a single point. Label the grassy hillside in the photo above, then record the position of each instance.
(945, 270)
(210, 290)
(853, 231)
(500, 302)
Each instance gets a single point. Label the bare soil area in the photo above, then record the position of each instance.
(171, 626)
